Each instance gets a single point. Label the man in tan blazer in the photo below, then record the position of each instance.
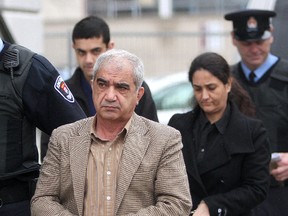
(115, 163)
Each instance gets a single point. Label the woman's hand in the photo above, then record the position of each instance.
(202, 210)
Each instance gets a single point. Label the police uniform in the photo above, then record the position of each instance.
(33, 94)
(269, 91)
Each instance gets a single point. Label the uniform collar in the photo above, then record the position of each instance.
(260, 71)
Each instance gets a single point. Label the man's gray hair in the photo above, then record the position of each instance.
(110, 55)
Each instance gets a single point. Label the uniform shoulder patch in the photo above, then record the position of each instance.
(63, 89)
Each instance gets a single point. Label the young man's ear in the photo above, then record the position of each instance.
(111, 45)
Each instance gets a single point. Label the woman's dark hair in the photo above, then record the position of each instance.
(212, 62)
(218, 67)
(243, 100)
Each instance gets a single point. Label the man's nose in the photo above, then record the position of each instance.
(111, 93)
(254, 47)
(89, 58)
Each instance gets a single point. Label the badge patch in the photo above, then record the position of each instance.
(252, 23)
(63, 89)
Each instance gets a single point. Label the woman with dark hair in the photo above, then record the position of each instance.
(226, 152)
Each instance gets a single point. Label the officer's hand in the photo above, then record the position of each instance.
(280, 173)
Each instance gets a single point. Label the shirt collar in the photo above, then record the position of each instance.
(1, 45)
(262, 69)
(124, 130)
(221, 124)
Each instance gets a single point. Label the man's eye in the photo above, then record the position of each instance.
(97, 51)
(101, 85)
(246, 43)
(122, 88)
(80, 53)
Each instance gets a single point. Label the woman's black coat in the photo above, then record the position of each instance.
(237, 172)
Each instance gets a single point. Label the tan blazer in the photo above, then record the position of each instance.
(152, 179)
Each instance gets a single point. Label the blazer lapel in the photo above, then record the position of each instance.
(135, 147)
(79, 151)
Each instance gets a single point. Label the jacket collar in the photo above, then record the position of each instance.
(236, 139)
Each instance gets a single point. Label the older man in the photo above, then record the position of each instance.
(115, 163)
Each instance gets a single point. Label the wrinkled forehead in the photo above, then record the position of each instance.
(116, 73)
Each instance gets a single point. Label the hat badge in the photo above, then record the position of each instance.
(252, 23)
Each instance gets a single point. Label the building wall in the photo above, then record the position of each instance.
(165, 45)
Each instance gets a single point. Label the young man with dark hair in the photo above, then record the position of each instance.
(91, 37)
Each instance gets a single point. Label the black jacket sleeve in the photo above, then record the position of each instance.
(146, 106)
(47, 101)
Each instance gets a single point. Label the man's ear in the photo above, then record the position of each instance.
(271, 29)
(91, 83)
(232, 37)
(140, 93)
(111, 45)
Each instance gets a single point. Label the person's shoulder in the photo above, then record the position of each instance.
(281, 64)
(242, 120)
(234, 68)
(75, 78)
(20, 48)
(249, 119)
(280, 70)
(254, 127)
(152, 126)
(179, 119)
(26, 55)
(283, 61)
(22, 54)
(40, 60)
(74, 128)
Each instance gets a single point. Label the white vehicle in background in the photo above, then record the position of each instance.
(172, 94)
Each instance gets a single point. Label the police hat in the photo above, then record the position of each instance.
(252, 24)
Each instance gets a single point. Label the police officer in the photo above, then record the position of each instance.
(32, 94)
(265, 77)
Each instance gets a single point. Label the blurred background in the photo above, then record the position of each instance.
(166, 34)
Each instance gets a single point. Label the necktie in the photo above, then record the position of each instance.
(252, 76)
